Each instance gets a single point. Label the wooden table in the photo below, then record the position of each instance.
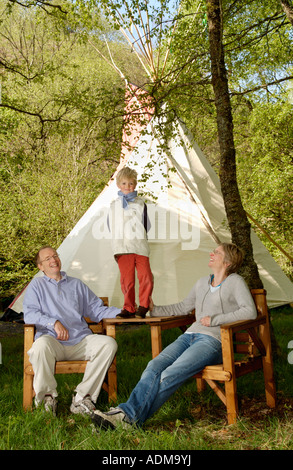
(156, 324)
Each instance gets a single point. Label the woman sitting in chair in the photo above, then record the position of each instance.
(222, 297)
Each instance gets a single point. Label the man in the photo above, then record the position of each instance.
(57, 304)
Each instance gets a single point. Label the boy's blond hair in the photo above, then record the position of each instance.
(128, 174)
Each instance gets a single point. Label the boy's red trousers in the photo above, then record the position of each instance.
(127, 264)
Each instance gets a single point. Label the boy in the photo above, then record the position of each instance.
(128, 218)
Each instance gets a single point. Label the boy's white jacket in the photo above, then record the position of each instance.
(128, 232)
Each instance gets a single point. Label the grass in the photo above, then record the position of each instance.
(187, 422)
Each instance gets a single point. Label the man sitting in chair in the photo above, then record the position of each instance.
(56, 304)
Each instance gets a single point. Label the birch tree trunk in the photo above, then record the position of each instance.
(288, 9)
(239, 225)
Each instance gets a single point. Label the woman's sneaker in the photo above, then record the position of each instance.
(111, 419)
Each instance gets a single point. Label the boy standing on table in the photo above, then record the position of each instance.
(128, 225)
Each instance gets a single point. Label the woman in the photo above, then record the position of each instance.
(222, 297)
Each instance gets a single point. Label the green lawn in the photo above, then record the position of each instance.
(186, 422)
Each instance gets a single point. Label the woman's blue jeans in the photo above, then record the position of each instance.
(164, 374)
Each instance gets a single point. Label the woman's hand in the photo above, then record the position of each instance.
(205, 321)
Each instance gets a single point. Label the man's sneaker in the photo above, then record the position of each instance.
(141, 312)
(50, 404)
(125, 314)
(83, 407)
(111, 419)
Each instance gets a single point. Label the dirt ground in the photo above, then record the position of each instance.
(8, 328)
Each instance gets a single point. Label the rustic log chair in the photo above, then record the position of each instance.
(250, 339)
(64, 367)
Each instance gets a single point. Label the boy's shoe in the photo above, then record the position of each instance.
(141, 312)
(83, 407)
(111, 419)
(50, 404)
(125, 314)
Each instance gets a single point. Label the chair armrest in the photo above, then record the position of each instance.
(244, 324)
(29, 333)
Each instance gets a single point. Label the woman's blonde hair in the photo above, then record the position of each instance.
(128, 174)
(233, 255)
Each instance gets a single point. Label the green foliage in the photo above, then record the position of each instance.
(61, 109)
(258, 45)
(267, 166)
(257, 39)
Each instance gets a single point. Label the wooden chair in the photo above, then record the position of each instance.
(64, 367)
(251, 341)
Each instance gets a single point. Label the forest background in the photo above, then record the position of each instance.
(61, 112)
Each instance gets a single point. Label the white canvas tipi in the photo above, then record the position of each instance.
(187, 216)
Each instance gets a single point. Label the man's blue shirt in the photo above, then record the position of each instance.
(69, 301)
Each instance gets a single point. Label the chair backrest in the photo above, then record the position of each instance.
(243, 342)
(260, 300)
(105, 300)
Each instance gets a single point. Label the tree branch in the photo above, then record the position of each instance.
(37, 115)
(13, 69)
(41, 3)
(261, 87)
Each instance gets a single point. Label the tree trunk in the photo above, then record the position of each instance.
(239, 225)
(288, 9)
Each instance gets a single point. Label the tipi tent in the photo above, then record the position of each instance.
(187, 217)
